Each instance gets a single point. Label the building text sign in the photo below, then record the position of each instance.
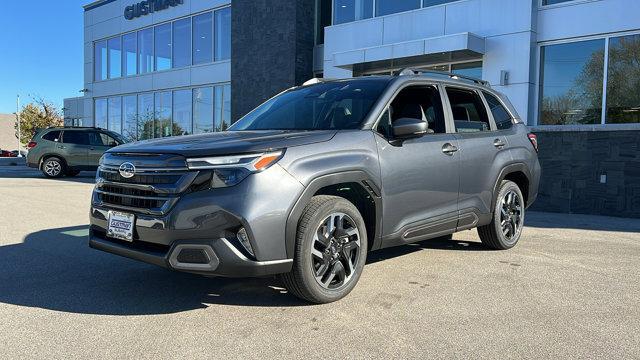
(148, 7)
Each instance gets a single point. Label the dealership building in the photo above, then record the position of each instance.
(571, 68)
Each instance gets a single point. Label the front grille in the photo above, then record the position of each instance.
(140, 179)
(152, 190)
(129, 202)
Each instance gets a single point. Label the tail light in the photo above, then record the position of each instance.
(31, 145)
(534, 140)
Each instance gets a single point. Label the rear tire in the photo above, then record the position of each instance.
(330, 251)
(53, 167)
(507, 223)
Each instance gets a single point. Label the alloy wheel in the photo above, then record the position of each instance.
(511, 214)
(335, 251)
(52, 168)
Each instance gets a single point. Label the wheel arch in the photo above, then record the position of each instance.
(44, 157)
(518, 173)
(349, 185)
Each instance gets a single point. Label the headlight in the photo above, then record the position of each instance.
(231, 170)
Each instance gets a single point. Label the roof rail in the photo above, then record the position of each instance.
(409, 71)
(316, 81)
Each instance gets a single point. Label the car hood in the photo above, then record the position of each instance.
(226, 142)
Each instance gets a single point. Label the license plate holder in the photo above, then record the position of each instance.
(120, 225)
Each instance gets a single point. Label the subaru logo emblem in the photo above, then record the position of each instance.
(127, 170)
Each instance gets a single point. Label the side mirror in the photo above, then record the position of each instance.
(113, 144)
(407, 128)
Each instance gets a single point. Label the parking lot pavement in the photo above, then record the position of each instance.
(570, 289)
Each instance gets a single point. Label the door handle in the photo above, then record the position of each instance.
(498, 143)
(61, 147)
(449, 149)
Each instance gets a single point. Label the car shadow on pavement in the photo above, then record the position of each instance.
(55, 269)
(432, 244)
(23, 172)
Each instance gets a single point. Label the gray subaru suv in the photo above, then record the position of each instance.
(309, 182)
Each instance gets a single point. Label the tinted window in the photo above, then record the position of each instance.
(129, 46)
(386, 7)
(623, 87)
(415, 102)
(115, 57)
(326, 106)
(202, 110)
(163, 47)
(182, 43)
(75, 137)
(202, 38)
(501, 116)
(571, 83)
(100, 60)
(145, 51)
(101, 113)
(472, 69)
(351, 10)
(223, 34)
(182, 112)
(52, 136)
(469, 113)
(101, 139)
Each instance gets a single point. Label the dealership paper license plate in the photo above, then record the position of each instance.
(120, 225)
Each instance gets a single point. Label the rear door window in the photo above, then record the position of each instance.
(52, 136)
(501, 116)
(75, 137)
(468, 110)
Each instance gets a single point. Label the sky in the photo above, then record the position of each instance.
(41, 51)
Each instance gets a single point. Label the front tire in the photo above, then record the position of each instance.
(330, 252)
(505, 228)
(53, 167)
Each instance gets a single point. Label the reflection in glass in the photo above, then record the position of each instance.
(101, 113)
(182, 43)
(145, 51)
(163, 47)
(100, 60)
(352, 10)
(129, 47)
(623, 84)
(162, 114)
(223, 34)
(571, 83)
(182, 112)
(145, 116)
(472, 69)
(130, 125)
(202, 110)
(222, 110)
(115, 57)
(202, 38)
(386, 7)
(115, 114)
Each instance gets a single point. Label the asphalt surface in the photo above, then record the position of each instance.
(570, 289)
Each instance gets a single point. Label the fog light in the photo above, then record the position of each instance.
(244, 240)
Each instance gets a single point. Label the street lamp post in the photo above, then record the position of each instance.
(19, 133)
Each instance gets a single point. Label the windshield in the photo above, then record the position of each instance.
(338, 105)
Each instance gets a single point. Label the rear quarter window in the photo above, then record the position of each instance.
(502, 117)
(52, 136)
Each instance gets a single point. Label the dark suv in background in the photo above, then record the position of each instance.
(61, 151)
(310, 181)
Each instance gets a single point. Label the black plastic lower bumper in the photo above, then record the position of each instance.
(224, 259)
